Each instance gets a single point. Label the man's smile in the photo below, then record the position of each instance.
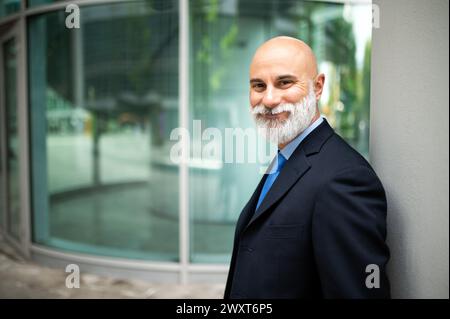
(277, 116)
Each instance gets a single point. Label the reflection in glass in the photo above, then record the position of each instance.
(8, 7)
(2, 170)
(2, 174)
(12, 138)
(104, 99)
(224, 36)
(32, 3)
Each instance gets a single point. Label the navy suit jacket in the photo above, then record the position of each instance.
(318, 228)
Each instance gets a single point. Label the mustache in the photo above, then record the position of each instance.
(261, 109)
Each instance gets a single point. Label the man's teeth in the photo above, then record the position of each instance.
(276, 112)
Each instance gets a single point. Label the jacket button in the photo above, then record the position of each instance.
(249, 249)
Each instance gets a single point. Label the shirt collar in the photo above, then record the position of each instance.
(290, 148)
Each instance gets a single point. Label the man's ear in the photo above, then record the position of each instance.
(318, 85)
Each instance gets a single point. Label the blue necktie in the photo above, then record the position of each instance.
(271, 178)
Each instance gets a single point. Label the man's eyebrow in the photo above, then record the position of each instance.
(255, 81)
(279, 78)
(286, 77)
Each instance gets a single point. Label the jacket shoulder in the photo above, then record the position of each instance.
(337, 154)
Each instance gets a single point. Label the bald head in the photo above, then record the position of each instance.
(286, 50)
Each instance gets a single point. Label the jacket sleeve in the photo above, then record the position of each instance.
(349, 233)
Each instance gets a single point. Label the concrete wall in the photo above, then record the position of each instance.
(410, 139)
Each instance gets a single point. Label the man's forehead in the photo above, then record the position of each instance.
(277, 66)
(281, 56)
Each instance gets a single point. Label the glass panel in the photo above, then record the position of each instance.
(224, 36)
(2, 170)
(104, 98)
(8, 7)
(12, 138)
(32, 3)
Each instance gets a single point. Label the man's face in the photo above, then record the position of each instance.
(282, 95)
(277, 77)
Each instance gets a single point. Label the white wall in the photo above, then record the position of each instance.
(410, 139)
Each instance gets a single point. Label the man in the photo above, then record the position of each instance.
(315, 226)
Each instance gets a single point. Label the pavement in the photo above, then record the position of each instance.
(22, 278)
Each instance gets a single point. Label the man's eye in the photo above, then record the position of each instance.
(258, 86)
(285, 82)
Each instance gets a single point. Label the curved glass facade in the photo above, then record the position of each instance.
(103, 100)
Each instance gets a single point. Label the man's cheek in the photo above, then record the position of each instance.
(295, 95)
(254, 100)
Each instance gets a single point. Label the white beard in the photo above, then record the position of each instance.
(300, 117)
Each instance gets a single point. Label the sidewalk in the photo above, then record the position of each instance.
(20, 278)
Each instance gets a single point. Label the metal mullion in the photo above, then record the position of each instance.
(183, 68)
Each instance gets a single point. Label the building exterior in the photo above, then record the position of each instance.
(87, 114)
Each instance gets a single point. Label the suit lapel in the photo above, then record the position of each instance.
(293, 170)
(249, 209)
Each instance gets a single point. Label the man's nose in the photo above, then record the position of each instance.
(271, 97)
